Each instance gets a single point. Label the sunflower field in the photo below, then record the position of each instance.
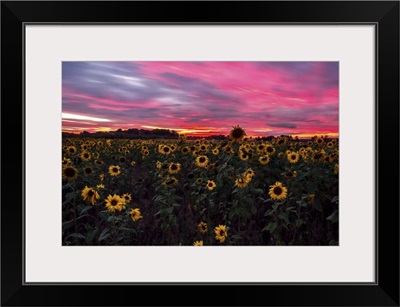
(238, 191)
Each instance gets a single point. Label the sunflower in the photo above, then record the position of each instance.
(270, 149)
(202, 227)
(215, 151)
(122, 159)
(114, 203)
(319, 140)
(190, 176)
(90, 194)
(336, 168)
(199, 181)
(241, 182)
(71, 149)
(101, 176)
(263, 159)
(293, 157)
(164, 149)
(170, 182)
(133, 163)
(201, 161)
(185, 150)
(198, 243)
(88, 170)
(66, 161)
(329, 144)
(100, 186)
(135, 214)
(85, 156)
(98, 162)
(278, 191)
(174, 168)
(210, 185)
(70, 173)
(291, 174)
(127, 197)
(243, 156)
(317, 156)
(114, 170)
(158, 164)
(203, 147)
(220, 233)
(237, 134)
(261, 148)
(310, 199)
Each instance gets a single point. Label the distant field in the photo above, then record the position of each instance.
(238, 191)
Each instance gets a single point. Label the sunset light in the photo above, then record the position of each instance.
(202, 98)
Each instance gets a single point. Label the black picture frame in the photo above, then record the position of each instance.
(383, 14)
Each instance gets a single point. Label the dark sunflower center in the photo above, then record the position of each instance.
(122, 159)
(221, 233)
(318, 156)
(269, 149)
(203, 147)
(192, 148)
(263, 159)
(278, 190)
(202, 160)
(133, 213)
(166, 149)
(185, 150)
(86, 156)
(115, 170)
(114, 203)
(71, 150)
(174, 167)
(293, 157)
(69, 172)
(210, 184)
(88, 170)
(65, 162)
(91, 193)
(237, 133)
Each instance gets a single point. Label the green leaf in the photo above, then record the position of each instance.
(67, 224)
(77, 235)
(104, 234)
(317, 204)
(333, 242)
(270, 227)
(68, 197)
(85, 209)
(335, 199)
(284, 216)
(299, 222)
(334, 217)
(258, 191)
(90, 236)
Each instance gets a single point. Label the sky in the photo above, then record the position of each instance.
(202, 98)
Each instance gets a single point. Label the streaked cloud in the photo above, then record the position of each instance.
(263, 97)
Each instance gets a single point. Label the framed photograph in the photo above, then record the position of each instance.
(241, 147)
